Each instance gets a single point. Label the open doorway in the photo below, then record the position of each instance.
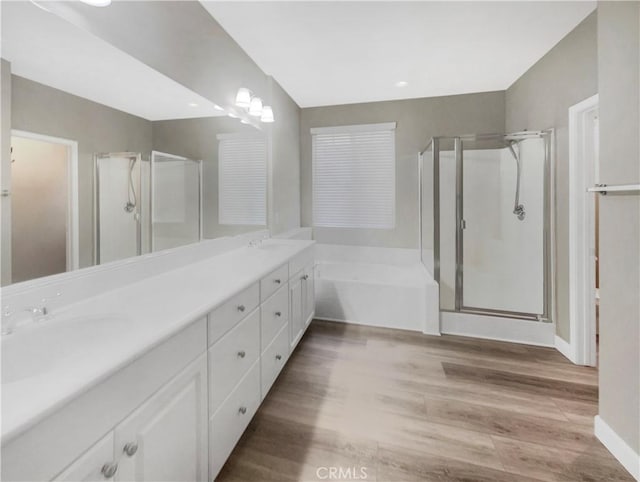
(583, 232)
(44, 206)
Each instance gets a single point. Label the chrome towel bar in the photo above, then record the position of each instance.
(621, 188)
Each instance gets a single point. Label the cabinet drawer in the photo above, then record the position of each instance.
(274, 358)
(231, 357)
(225, 317)
(228, 423)
(274, 315)
(274, 280)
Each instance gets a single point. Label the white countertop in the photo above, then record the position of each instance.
(47, 364)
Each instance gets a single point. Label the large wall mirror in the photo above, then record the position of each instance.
(111, 159)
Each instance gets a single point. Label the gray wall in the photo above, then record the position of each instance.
(5, 171)
(44, 110)
(619, 78)
(541, 98)
(196, 139)
(417, 121)
(284, 185)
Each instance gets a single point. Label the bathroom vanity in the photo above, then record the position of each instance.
(158, 378)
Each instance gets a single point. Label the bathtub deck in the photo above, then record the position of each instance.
(405, 406)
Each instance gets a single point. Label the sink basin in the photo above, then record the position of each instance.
(39, 348)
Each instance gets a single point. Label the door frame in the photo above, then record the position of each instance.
(583, 174)
(73, 216)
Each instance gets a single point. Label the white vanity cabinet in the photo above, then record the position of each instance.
(93, 464)
(177, 409)
(302, 303)
(166, 438)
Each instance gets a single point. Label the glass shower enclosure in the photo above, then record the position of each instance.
(145, 205)
(485, 223)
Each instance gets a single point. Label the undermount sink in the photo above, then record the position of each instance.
(38, 348)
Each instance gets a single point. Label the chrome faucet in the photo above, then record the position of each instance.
(258, 241)
(38, 313)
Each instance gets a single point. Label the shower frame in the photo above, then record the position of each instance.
(548, 252)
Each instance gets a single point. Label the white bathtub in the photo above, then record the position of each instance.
(395, 293)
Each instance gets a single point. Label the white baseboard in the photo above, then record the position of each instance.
(498, 328)
(565, 348)
(618, 447)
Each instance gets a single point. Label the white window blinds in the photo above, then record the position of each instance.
(354, 176)
(242, 179)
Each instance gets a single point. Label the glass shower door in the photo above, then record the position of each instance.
(501, 243)
(176, 194)
(117, 206)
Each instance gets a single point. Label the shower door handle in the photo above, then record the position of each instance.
(463, 224)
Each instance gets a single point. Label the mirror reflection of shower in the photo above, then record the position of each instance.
(145, 204)
(132, 200)
(518, 209)
(118, 232)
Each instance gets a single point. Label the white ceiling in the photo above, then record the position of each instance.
(328, 53)
(49, 50)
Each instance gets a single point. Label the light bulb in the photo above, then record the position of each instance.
(267, 114)
(243, 97)
(255, 108)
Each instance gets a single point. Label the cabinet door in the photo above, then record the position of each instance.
(309, 301)
(296, 322)
(166, 438)
(89, 466)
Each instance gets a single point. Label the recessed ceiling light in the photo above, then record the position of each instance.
(193, 104)
(97, 3)
(232, 115)
(402, 83)
(244, 121)
(217, 107)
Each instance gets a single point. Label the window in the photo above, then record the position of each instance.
(354, 176)
(242, 179)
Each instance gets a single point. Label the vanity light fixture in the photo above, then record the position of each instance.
(255, 109)
(252, 105)
(267, 114)
(243, 98)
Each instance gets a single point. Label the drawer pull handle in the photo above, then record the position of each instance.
(130, 449)
(241, 354)
(278, 357)
(242, 410)
(305, 277)
(277, 281)
(278, 313)
(241, 308)
(109, 470)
